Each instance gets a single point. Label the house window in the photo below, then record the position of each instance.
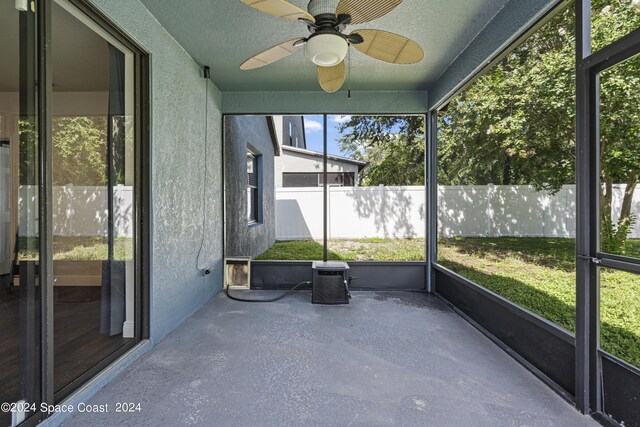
(253, 188)
(340, 179)
(290, 134)
(300, 179)
(316, 179)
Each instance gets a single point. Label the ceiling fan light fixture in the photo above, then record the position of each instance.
(326, 50)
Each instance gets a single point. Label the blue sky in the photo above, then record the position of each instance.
(313, 133)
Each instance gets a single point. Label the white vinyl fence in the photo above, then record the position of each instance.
(399, 212)
(80, 211)
(355, 212)
(504, 210)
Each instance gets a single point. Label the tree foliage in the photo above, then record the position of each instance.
(80, 150)
(393, 147)
(515, 124)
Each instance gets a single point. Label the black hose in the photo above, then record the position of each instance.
(267, 300)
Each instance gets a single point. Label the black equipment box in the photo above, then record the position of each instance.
(330, 283)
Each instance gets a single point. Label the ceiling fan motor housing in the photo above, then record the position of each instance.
(322, 7)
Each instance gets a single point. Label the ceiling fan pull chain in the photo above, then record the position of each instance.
(328, 46)
(349, 73)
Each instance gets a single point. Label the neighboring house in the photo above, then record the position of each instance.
(263, 153)
(250, 148)
(301, 167)
(290, 131)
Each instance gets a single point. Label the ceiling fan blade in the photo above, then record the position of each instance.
(280, 8)
(272, 54)
(389, 47)
(362, 11)
(332, 78)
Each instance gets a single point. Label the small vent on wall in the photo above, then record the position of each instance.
(237, 273)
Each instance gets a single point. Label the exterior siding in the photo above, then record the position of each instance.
(242, 132)
(296, 138)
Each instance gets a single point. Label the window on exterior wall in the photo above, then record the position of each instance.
(506, 175)
(253, 189)
(342, 179)
(290, 134)
(299, 179)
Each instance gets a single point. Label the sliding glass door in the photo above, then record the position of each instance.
(72, 182)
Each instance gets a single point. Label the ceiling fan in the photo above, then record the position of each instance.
(327, 45)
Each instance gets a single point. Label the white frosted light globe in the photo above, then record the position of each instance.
(326, 50)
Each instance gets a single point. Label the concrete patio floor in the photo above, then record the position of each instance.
(385, 359)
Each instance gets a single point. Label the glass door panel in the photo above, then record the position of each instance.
(93, 194)
(19, 255)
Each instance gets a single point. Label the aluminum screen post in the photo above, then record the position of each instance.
(587, 188)
(325, 188)
(432, 197)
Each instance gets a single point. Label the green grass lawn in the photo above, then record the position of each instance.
(539, 274)
(76, 248)
(349, 250)
(536, 273)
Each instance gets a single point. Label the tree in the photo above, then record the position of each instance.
(80, 150)
(393, 147)
(516, 123)
(619, 120)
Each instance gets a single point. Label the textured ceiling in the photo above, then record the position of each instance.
(223, 33)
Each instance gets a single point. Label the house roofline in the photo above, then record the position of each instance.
(274, 136)
(304, 133)
(360, 163)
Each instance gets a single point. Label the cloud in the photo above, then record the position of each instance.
(341, 119)
(312, 125)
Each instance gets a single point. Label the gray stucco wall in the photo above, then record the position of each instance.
(296, 138)
(243, 239)
(177, 172)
